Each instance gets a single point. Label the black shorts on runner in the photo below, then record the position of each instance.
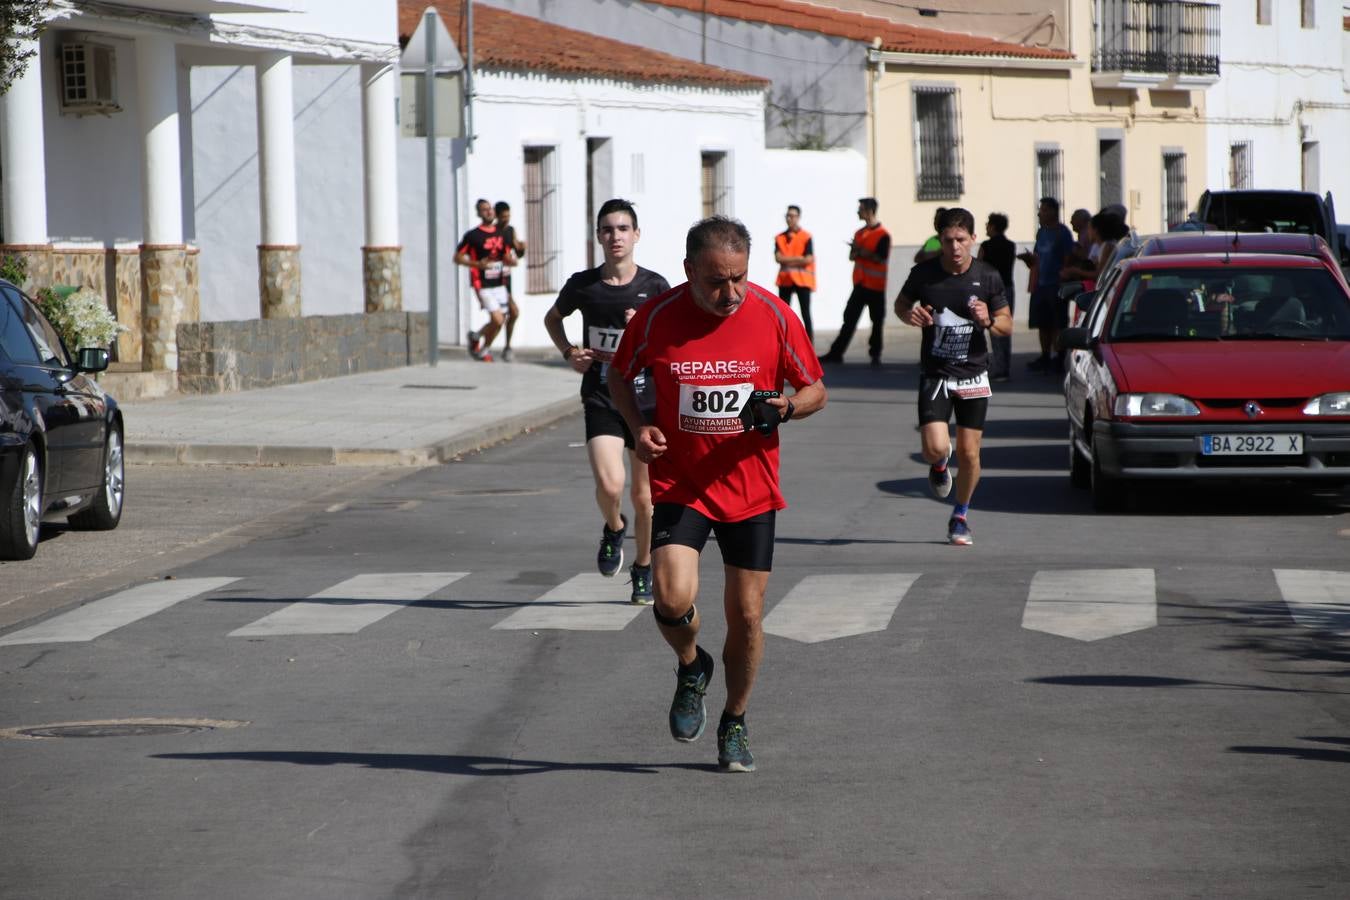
(747, 544)
(604, 419)
(936, 404)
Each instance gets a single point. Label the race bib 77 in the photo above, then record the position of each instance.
(713, 408)
(603, 341)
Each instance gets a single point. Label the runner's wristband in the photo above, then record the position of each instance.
(790, 411)
(567, 354)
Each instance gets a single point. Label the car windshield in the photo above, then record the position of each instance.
(1231, 303)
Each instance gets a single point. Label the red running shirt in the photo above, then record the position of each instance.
(704, 367)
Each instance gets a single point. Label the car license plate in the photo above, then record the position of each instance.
(1251, 444)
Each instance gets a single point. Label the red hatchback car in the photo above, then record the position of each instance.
(1217, 364)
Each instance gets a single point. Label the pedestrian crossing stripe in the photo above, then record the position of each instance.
(1317, 599)
(586, 602)
(1078, 604)
(102, 616)
(1091, 604)
(348, 607)
(825, 607)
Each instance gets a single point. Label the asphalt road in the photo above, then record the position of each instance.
(369, 701)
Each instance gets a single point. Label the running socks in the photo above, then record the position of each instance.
(961, 509)
(729, 719)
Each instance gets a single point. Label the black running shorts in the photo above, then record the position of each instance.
(602, 419)
(747, 544)
(936, 405)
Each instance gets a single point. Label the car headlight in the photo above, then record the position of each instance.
(1334, 404)
(1154, 405)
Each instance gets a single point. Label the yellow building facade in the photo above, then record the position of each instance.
(994, 134)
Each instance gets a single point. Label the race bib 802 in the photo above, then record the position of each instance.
(713, 408)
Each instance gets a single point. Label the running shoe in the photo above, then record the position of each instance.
(641, 579)
(688, 714)
(485, 356)
(475, 344)
(940, 483)
(508, 355)
(733, 748)
(610, 558)
(830, 358)
(958, 532)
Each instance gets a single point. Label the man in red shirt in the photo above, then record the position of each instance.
(719, 351)
(484, 251)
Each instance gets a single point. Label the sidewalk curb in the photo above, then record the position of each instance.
(164, 453)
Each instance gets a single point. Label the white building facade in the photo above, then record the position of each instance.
(556, 147)
(1279, 116)
(207, 160)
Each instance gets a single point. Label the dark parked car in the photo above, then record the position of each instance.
(60, 434)
(1212, 365)
(1285, 212)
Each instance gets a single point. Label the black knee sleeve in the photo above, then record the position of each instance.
(675, 623)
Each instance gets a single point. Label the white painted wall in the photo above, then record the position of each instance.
(1281, 84)
(358, 20)
(329, 199)
(669, 127)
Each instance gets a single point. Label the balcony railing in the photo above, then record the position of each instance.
(1154, 42)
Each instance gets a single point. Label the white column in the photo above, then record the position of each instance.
(22, 155)
(379, 131)
(276, 149)
(162, 190)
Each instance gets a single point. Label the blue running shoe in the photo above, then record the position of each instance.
(940, 483)
(688, 714)
(733, 748)
(958, 532)
(641, 579)
(610, 558)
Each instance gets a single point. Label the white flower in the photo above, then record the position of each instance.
(80, 317)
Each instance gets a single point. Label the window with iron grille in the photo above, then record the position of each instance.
(937, 143)
(716, 184)
(1111, 170)
(1306, 15)
(1049, 172)
(541, 220)
(1174, 188)
(1262, 12)
(1240, 165)
(1163, 36)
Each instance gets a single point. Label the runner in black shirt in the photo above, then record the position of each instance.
(956, 300)
(607, 296)
(517, 247)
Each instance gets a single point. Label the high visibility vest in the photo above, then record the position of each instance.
(795, 245)
(868, 272)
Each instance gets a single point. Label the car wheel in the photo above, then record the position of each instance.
(21, 510)
(106, 510)
(1080, 470)
(1106, 491)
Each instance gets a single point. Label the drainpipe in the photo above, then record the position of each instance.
(874, 57)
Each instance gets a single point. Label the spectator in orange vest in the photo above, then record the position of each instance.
(870, 251)
(796, 257)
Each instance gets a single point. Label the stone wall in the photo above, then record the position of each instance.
(218, 357)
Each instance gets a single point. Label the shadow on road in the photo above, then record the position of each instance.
(446, 764)
(1314, 754)
(1157, 681)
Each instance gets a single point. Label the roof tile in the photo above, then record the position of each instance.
(858, 26)
(510, 41)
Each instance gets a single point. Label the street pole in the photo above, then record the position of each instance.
(429, 118)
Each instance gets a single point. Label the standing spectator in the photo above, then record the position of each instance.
(1000, 253)
(517, 247)
(1054, 243)
(485, 253)
(795, 252)
(720, 351)
(870, 251)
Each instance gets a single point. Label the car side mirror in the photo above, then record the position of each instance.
(91, 359)
(1075, 339)
(1083, 300)
(1068, 289)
